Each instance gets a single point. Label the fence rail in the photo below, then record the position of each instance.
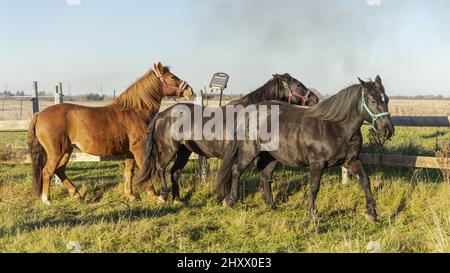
(426, 162)
(414, 121)
(369, 159)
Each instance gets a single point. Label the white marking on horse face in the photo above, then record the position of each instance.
(45, 200)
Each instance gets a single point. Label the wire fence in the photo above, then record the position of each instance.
(21, 107)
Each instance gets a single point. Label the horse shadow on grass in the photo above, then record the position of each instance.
(409, 148)
(91, 191)
(283, 187)
(286, 189)
(436, 134)
(133, 214)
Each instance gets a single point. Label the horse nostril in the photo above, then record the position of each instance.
(387, 132)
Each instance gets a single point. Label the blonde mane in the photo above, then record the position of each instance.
(143, 95)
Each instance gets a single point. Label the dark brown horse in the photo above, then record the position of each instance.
(325, 136)
(116, 129)
(161, 147)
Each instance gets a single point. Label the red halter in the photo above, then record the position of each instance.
(304, 98)
(166, 86)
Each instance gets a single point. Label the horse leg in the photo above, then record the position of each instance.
(180, 162)
(139, 158)
(129, 172)
(47, 174)
(162, 166)
(267, 165)
(316, 171)
(61, 173)
(357, 168)
(244, 161)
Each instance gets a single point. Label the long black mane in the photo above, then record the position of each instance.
(269, 91)
(339, 107)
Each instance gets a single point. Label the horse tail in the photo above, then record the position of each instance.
(38, 156)
(225, 175)
(151, 155)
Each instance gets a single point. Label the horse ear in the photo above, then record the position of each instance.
(283, 78)
(364, 84)
(160, 67)
(378, 81)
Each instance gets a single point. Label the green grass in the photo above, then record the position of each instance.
(414, 209)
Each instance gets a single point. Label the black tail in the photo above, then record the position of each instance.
(225, 175)
(151, 154)
(38, 157)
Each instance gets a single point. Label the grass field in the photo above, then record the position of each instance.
(414, 208)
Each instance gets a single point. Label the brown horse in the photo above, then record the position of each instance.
(113, 130)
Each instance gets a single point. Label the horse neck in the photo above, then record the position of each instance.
(350, 128)
(265, 93)
(353, 125)
(141, 109)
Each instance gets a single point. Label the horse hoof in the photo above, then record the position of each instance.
(76, 196)
(228, 203)
(45, 201)
(132, 198)
(161, 200)
(177, 202)
(272, 207)
(314, 213)
(372, 218)
(225, 203)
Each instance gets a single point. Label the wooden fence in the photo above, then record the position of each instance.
(370, 159)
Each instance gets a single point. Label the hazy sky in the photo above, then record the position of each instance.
(326, 44)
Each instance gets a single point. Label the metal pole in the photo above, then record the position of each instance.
(35, 98)
(58, 100)
(221, 95)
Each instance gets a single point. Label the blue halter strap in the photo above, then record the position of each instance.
(374, 117)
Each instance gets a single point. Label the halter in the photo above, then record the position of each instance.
(304, 98)
(374, 117)
(180, 88)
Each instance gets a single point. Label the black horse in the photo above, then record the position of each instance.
(161, 147)
(324, 136)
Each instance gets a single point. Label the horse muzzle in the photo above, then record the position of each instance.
(386, 129)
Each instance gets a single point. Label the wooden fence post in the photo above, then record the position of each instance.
(35, 98)
(59, 97)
